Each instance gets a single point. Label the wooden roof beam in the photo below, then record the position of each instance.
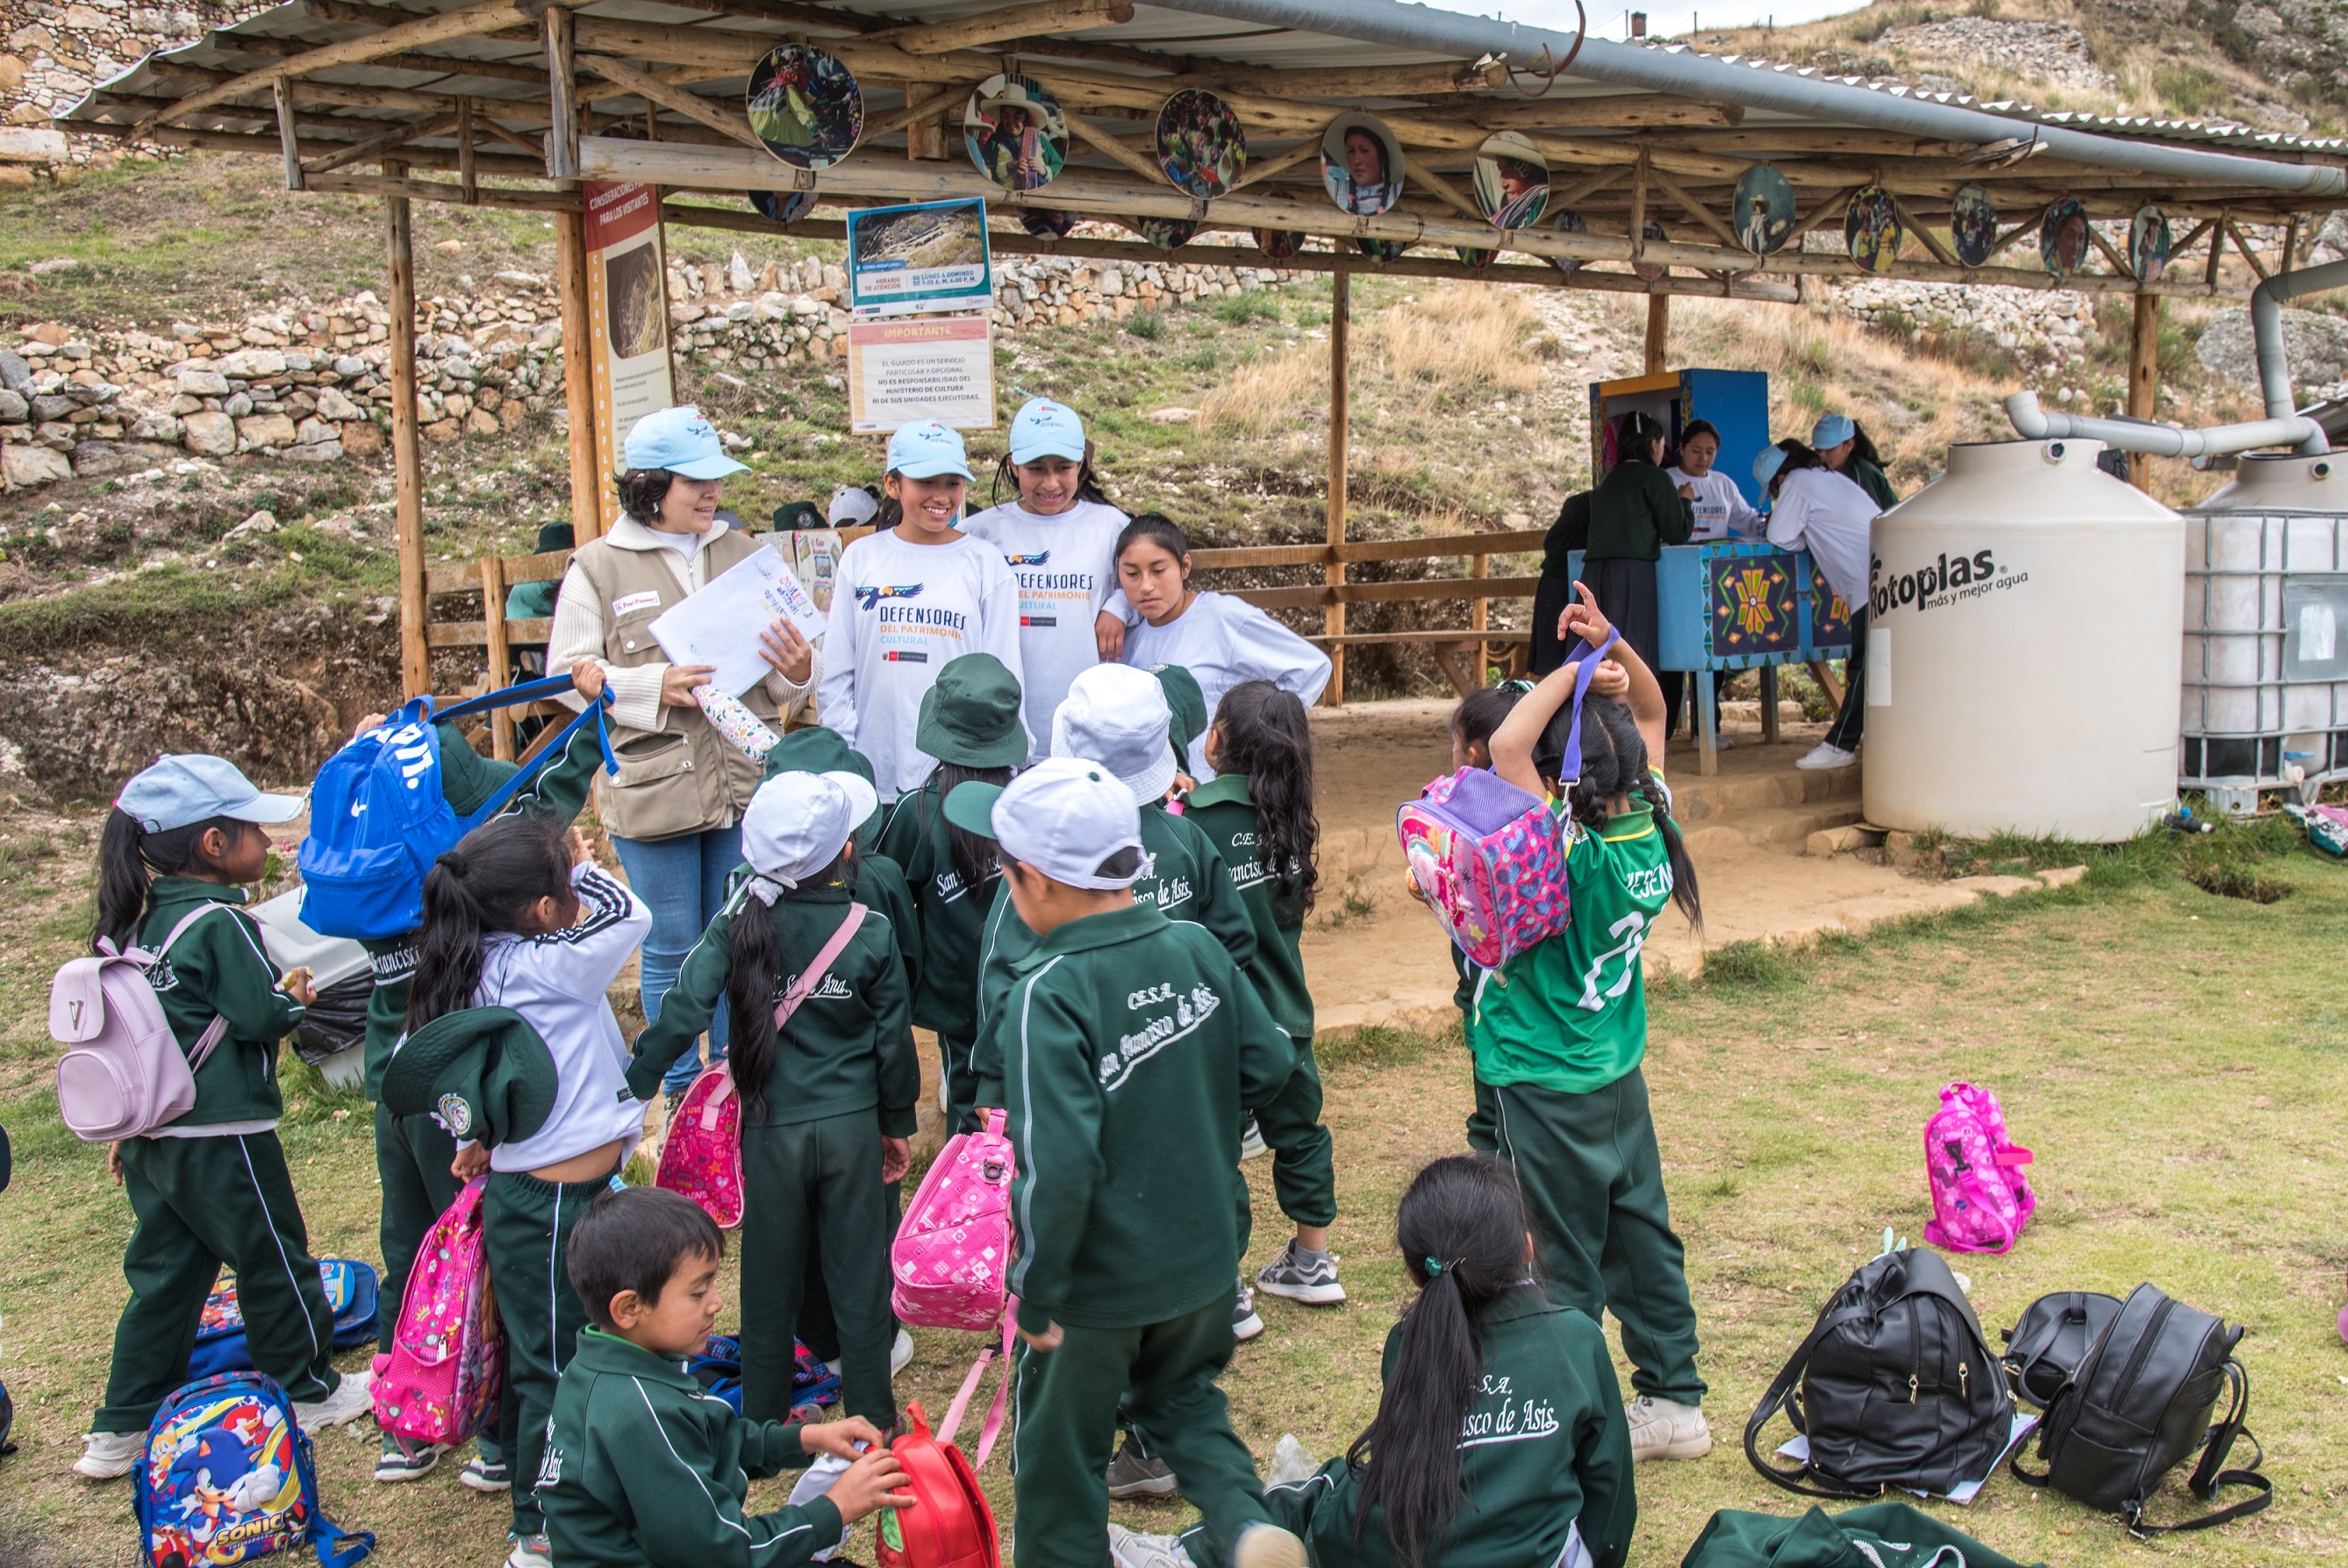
(1102, 142)
(441, 64)
(677, 99)
(397, 136)
(314, 95)
(1013, 22)
(1627, 109)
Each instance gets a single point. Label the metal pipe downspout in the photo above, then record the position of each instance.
(2034, 423)
(1778, 90)
(2266, 327)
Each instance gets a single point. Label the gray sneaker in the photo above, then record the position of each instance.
(1245, 1324)
(1312, 1284)
(1133, 1473)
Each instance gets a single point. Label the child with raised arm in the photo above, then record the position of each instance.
(1560, 1030)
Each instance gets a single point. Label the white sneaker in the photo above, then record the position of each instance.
(1245, 1324)
(348, 1402)
(110, 1455)
(1666, 1430)
(901, 1353)
(1129, 1550)
(1823, 756)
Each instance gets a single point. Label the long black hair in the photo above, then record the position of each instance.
(1636, 435)
(485, 884)
(1862, 445)
(1798, 456)
(1088, 485)
(975, 859)
(1614, 762)
(1482, 711)
(1461, 1227)
(755, 979)
(126, 852)
(1261, 731)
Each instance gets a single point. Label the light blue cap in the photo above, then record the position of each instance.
(680, 441)
(191, 788)
(1044, 429)
(1765, 465)
(1832, 430)
(927, 451)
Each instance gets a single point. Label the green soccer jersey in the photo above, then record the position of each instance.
(1571, 1015)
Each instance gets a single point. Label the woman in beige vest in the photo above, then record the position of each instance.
(674, 809)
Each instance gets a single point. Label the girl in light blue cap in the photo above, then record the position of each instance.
(1842, 443)
(907, 600)
(1059, 539)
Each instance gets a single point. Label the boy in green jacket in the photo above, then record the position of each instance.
(1131, 1045)
(643, 1467)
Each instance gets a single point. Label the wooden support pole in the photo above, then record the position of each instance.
(1341, 329)
(1100, 141)
(493, 624)
(466, 175)
(1013, 22)
(1435, 184)
(2144, 371)
(683, 101)
(2216, 250)
(1479, 612)
(1659, 327)
(578, 375)
(1304, 152)
(286, 136)
(563, 88)
(406, 455)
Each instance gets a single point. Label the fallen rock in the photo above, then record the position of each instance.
(264, 522)
(1172, 415)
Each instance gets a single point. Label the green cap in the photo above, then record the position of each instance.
(483, 1071)
(970, 807)
(555, 536)
(1187, 703)
(971, 717)
(799, 514)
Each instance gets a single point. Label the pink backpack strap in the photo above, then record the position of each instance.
(818, 971)
(217, 1030)
(992, 1428)
(2014, 1154)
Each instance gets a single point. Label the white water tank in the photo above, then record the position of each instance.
(2023, 648)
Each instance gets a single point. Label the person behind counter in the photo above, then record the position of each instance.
(1636, 509)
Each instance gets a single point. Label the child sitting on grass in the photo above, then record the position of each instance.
(644, 1467)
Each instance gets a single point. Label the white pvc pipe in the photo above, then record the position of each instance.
(2035, 424)
(2266, 328)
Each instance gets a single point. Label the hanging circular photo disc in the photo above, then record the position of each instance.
(1567, 222)
(1381, 250)
(805, 105)
(1361, 165)
(1764, 209)
(1511, 180)
(1872, 230)
(1279, 245)
(1047, 222)
(782, 206)
(1972, 224)
(1166, 232)
(1476, 258)
(1199, 143)
(1016, 132)
(2148, 241)
(2063, 242)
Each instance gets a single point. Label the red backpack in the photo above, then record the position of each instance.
(949, 1524)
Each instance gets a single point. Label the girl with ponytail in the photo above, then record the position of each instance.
(1499, 1436)
(1558, 1031)
(828, 1090)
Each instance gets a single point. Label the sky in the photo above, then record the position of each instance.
(1673, 18)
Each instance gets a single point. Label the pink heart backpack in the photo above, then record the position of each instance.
(951, 1261)
(446, 1369)
(1980, 1201)
(702, 1156)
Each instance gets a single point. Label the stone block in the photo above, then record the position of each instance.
(203, 381)
(481, 423)
(332, 405)
(15, 409)
(95, 459)
(247, 364)
(443, 431)
(361, 438)
(211, 433)
(314, 452)
(2061, 876)
(264, 430)
(24, 466)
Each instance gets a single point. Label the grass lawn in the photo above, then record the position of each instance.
(2176, 1059)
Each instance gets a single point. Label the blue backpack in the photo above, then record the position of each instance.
(228, 1476)
(718, 1369)
(221, 1346)
(379, 817)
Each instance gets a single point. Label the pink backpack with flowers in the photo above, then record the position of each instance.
(701, 1155)
(952, 1258)
(442, 1379)
(1980, 1201)
(1488, 857)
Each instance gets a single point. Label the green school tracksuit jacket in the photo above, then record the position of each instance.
(848, 1047)
(1130, 1044)
(952, 917)
(645, 1469)
(218, 965)
(1225, 812)
(467, 779)
(1635, 511)
(1187, 882)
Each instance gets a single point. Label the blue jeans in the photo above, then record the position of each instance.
(683, 881)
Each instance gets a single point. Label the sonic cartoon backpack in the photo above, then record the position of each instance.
(702, 1156)
(947, 1523)
(350, 1285)
(379, 817)
(1488, 857)
(123, 1074)
(951, 1257)
(228, 1476)
(718, 1369)
(441, 1381)
(1980, 1199)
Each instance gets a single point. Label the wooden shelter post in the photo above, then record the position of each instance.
(1659, 327)
(406, 456)
(577, 374)
(1332, 614)
(2144, 368)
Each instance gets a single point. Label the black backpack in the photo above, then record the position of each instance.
(2053, 1337)
(2139, 1404)
(1896, 1385)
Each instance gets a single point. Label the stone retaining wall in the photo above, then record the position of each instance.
(52, 53)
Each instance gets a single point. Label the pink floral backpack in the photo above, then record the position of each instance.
(1980, 1201)
(952, 1258)
(1488, 857)
(701, 1155)
(446, 1369)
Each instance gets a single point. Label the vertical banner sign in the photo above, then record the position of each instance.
(627, 317)
(937, 367)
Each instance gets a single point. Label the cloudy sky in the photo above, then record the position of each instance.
(1609, 18)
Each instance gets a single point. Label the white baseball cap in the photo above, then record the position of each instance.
(1117, 716)
(798, 823)
(851, 504)
(1066, 816)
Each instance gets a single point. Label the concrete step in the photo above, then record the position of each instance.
(1785, 829)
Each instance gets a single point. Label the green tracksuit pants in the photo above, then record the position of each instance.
(412, 1155)
(1066, 1415)
(1594, 1182)
(526, 1224)
(201, 1202)
(1304, 1174)
(962, 1082)
(813, 1189)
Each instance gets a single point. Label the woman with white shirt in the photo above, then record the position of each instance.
(1221, 640)
(1817, 509)
(1721, 509)
(674, 809)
